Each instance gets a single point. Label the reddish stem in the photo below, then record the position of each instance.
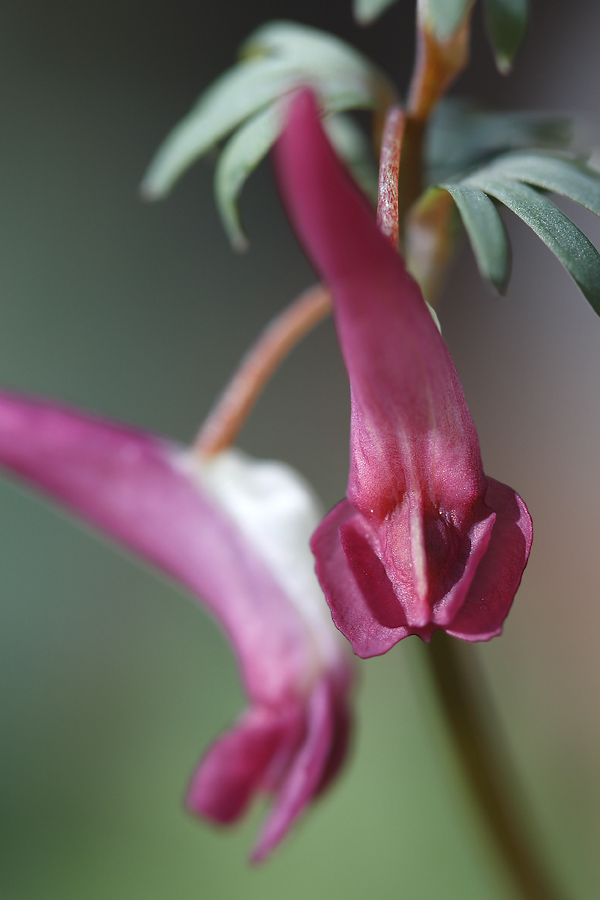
(389, 164)
(224, 423)
(437, 64)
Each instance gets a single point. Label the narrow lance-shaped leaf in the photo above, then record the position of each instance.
(243, 152)
(461, 136)
(566, 177)
(506, 22)
(233, 98)
(567, 242)
(366, 11)
(278, 57)
(486, 233)
(320, 55)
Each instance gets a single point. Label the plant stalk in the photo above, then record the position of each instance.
(233, 407)
(479, 753)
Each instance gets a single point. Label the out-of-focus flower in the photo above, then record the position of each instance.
(235, 533)
(424, 540)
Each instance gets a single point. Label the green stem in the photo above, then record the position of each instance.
(478, 754)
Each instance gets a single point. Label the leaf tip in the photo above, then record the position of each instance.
(154, 184)
(504, 63)
(231, 222)
(239, 242)
(149, 193)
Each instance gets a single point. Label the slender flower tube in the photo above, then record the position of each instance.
(235, 533)
(424, 540)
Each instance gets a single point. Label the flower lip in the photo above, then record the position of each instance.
(424, 540)
(146, 493)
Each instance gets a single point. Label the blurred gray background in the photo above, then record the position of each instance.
(111, 681)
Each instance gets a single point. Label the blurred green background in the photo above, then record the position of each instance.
(111, 681)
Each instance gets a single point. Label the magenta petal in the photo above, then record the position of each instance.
(342, 727)
(233, 769)
(366, 613)
(499, 574)
(425, 541)
(172, 510)
(410, 421)
(305, 774)
(138, 490)
(479, 537)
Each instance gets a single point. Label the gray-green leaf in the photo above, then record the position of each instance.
(240, 156)
(277, 58)
(556, 230)
(461, 136)
(229, 101)
(366, 11)
(567, 177)
(506, 22)
(319, 56)
(486, 233)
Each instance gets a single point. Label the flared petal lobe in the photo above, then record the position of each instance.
(292, 753)
(423, 536)
(203, 524)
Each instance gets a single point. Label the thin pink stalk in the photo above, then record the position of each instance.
(277, 340)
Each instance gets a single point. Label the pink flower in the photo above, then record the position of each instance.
(425, 540)
(235, 533)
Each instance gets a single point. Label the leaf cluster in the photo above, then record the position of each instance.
(481, 159)
(520, 181)
(506, 21)
(245, 105)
